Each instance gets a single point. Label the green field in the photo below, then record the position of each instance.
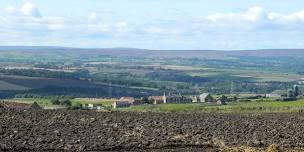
(8, 86)
(42, 102)
(105, 102)
(235, 107)
(46, 103)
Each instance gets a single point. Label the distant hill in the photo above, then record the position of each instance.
(270, 53)
(213, 54)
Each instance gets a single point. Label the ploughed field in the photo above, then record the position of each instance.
(107, 131)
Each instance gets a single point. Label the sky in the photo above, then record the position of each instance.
(154, 24)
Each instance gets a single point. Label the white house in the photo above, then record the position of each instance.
(276, 94)
(206, 97)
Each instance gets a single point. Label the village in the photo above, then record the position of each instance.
(175, 99)
(291, 95)
(125, 102)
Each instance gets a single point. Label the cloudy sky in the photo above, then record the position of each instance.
(154, 24)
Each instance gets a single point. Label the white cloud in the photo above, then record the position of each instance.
(297, 17)
(12, 10)
(98, 28)
(30, 9)
(253, 14)
(57, 26)
(223, 29)
(93, 16)
(27, 9)
(257, 16)
(161, 31)
(121, 26)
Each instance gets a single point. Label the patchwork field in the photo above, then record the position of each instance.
(140, 73)
(56, 86)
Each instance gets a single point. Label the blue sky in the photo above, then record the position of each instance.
(154, 24)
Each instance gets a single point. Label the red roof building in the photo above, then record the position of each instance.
(19, 106)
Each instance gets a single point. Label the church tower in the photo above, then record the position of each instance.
(165, 98)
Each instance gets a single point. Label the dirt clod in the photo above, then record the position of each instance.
(58, 130)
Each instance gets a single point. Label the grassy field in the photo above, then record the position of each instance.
(46, 103)
(79, 101)
(235, 107)
(258, 76)
(42, 102)
(8, 86)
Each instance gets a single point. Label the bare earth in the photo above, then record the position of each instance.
(126, 131)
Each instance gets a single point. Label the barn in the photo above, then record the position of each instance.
(206, 97)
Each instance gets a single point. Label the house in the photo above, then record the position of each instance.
(92, 106)
(127, 99)
(19, 106)
(222, 100)
(138, 102)
(169, 99)
(206, 97)
(99, 107)
(158, 99)
(179, 99)
(121, 104)
(273, 95)
(276, 94)
(194, 99)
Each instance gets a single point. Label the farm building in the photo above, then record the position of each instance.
(92, 106)
(206, 97)
(276, 94)
(19, 106)
(127, 99)
(121, 104)
(179, 99)
(169, 99)
(158, 99)
(194, 99)
(222, 100)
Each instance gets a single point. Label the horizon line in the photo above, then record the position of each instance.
(145, 49)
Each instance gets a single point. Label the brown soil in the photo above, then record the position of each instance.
(126, 131)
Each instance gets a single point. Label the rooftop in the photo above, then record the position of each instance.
(18, 106)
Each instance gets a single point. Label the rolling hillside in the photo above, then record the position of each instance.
(209, 54)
